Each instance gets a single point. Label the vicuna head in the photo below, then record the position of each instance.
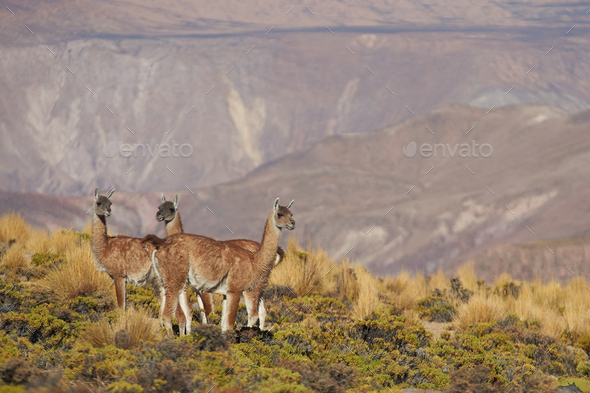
(167, 210)
(102, 204)
(282, 216)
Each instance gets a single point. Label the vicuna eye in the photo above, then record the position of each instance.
(171, 210)
(98, 203)
(280, 215)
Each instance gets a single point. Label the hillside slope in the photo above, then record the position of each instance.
(359, 190)
(98, 75)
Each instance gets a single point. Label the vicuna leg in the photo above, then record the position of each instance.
(180, 314)
(230, 309)
(121, 291)
(169, 306)
(162, 299)
(250, 299)
(201, 307)
(224, 314)
(261, 313)
(207, 302)
(185, 311)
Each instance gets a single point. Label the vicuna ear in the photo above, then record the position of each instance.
(163, 198)
(276, 204)
(176, 202)
(290, 204)
(110, 193)
(96, 193)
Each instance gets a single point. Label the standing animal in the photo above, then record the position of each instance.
(124, 259)
(216, 266)
(168, 212)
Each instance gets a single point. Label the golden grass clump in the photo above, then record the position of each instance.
(131, 328)
(481, 308)
(504, 279)
(405, 291)
(368, 296)
(13, 226)
(77, 276)
(468, 277)
(305, 272)
(14, 259)
(347, 282)
(559, 310)
(438, 281)
(29, 241)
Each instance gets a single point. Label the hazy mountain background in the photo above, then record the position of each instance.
(314, 102)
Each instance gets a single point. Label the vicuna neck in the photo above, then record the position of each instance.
(174, 227)
(99, 234)
(265, 256)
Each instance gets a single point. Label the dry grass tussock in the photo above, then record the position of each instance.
(481, 308)
(368, 294)
(131, 328)
(313, 272)
(77, 276)
(560, 310)
(29, 240)
(405, 291)
(306, 272)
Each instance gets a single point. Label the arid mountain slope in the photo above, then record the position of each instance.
(178, 17)
(97, 75)
(554, 259)
(419, 213)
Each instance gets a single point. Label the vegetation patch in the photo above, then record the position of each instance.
(333, 327)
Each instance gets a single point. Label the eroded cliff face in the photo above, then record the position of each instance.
(201, 111)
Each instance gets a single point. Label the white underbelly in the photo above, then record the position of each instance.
(205, 285)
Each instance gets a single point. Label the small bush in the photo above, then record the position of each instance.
(323, 377)
(131, 329)
(47, 259)
(436, 308)
(210, 338)
(458, 291)
(474, 380)
(16, 371)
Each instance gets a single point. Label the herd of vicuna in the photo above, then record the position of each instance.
(172, 265)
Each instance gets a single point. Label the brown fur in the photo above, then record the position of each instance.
(218, 267)
(123, 258)
(168, 212)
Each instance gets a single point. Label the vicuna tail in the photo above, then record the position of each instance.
(155, 265)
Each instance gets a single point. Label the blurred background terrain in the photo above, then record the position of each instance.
(313, 102)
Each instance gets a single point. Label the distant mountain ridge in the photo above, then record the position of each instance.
(244, 85)
(360, 197)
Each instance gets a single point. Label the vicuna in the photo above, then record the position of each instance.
(168, 212)
(124, 259)
(216, 266)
